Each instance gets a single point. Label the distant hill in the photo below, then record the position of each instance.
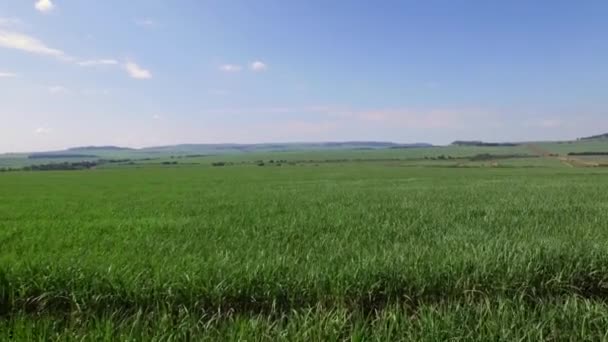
(82, 152)
(92, 152)
(277, 147)
(594, 137)
(53, 155)
(98, 148)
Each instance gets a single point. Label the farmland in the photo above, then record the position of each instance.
(383, 244)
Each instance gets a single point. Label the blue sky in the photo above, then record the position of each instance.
(140, 73)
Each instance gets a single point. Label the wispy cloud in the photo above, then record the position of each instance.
(231, 68)
(7, 74)
(437, 119)
(57, 89)
(98, 62)
(10, 39)
(93, 92)
(156, 117)
(43, 130)
(23, 42)
(317, 109)
(422, 119)
(44, 5)
(287, 130)
(145, 22)
(137, 72)
(550, 123)
(544, 123)
(7, 22)
(29, 44)
(258, 66)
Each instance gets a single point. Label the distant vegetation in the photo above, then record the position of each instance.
(277, 147)
(482, 144)
(488, 156)
(61, 166)
(60, 156)
(67, 166)
(593, 137)
(588, 154)
(332, 152)
(421, 145)
(100, 148)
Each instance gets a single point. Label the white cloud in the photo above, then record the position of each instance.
(43, 130)
(258, 66)
(137, 72)
(44, 5)
(58, 90)
(7, 74)
(156, 117)
(550, 123)
(98, 62)
(418, 118)
(26, 43)
(231, 68)
(145, 22)
(23, 42)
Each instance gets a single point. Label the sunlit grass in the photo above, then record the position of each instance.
(328, 252)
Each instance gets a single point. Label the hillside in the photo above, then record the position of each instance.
(276, 147)
(99, 148)
(594, 137)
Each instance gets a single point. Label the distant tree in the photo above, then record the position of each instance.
(61, 166)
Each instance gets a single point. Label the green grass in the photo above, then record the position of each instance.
(332, 155)
(596, 145)
(298, 155)
(369, 250)
(563, 319)
(146, 158)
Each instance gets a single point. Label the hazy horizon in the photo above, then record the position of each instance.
(152, 73)
(285, 143)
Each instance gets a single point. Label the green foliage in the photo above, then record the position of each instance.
(488, 156)
(61, 166)
(599, 145)
(588, 154)
(341, 251)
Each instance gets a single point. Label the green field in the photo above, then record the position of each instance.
(332, 245)
(596, 145)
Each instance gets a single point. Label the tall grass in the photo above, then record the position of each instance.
(329, 252)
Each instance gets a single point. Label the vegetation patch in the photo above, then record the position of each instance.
(488, 156)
